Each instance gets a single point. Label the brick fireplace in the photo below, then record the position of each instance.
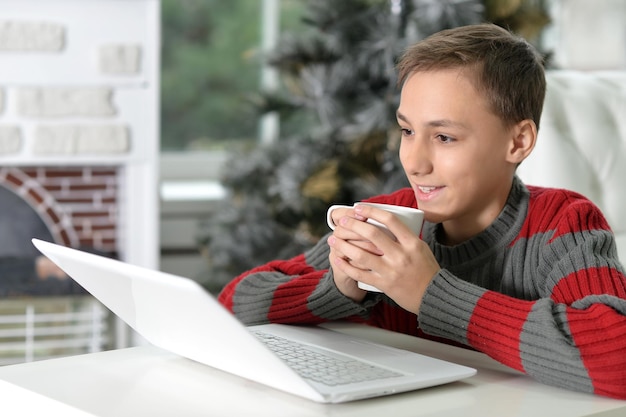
(79, 135)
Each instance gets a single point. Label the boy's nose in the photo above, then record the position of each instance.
(415, 157)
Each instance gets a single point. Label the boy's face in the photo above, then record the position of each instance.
(454, 151)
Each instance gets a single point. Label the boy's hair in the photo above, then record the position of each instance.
(505, 67)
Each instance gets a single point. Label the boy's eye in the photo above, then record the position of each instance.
(406, 132)
(445, 139)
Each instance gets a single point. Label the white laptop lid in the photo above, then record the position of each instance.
(177, 314)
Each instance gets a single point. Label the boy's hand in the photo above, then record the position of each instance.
(45, 269)
(344, 283)
(360, 251)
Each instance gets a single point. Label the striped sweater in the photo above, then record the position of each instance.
(541, 290)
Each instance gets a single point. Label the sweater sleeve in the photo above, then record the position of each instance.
(299, 290)
(572, 334)
(302, 289)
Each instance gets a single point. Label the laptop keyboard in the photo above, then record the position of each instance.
(319, 366)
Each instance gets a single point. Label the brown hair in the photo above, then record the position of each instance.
(505, 67)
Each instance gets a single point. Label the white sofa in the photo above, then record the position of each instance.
(582, 142)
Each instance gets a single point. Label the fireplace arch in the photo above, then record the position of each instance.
(47, 218)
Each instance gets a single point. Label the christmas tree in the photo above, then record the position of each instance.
(337, 109)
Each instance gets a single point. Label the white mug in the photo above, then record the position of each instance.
(411, 217)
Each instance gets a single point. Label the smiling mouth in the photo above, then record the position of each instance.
(426, 190)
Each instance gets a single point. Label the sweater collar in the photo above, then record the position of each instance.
(498, 235)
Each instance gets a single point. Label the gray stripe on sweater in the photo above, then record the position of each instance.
(253, 297)
(447, 307)
(317, 256)
(327, 301)
(569, 254)
(547, 351)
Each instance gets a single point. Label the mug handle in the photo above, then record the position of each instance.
(329, 217)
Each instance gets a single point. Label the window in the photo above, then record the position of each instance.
(212, 62)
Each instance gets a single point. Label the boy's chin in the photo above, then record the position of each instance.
(431, 217)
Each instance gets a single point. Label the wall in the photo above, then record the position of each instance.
(79, 97)
(588, 35)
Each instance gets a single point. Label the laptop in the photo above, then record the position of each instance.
(176, 314)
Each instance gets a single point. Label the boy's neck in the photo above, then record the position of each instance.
(455, 233)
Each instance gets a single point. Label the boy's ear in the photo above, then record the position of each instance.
(523, 139)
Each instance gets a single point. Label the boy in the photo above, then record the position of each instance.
(527, 275)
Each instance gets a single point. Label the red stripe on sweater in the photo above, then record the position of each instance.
(599, 332)
(225, 297)
(293, 267)
(582, 216)
(392, 317)
(603, 280)
(496, 325)
(296, 311)
(548, 213)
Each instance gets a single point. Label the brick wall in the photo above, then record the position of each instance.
(78, 204)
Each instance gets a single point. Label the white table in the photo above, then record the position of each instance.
(147, 381)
